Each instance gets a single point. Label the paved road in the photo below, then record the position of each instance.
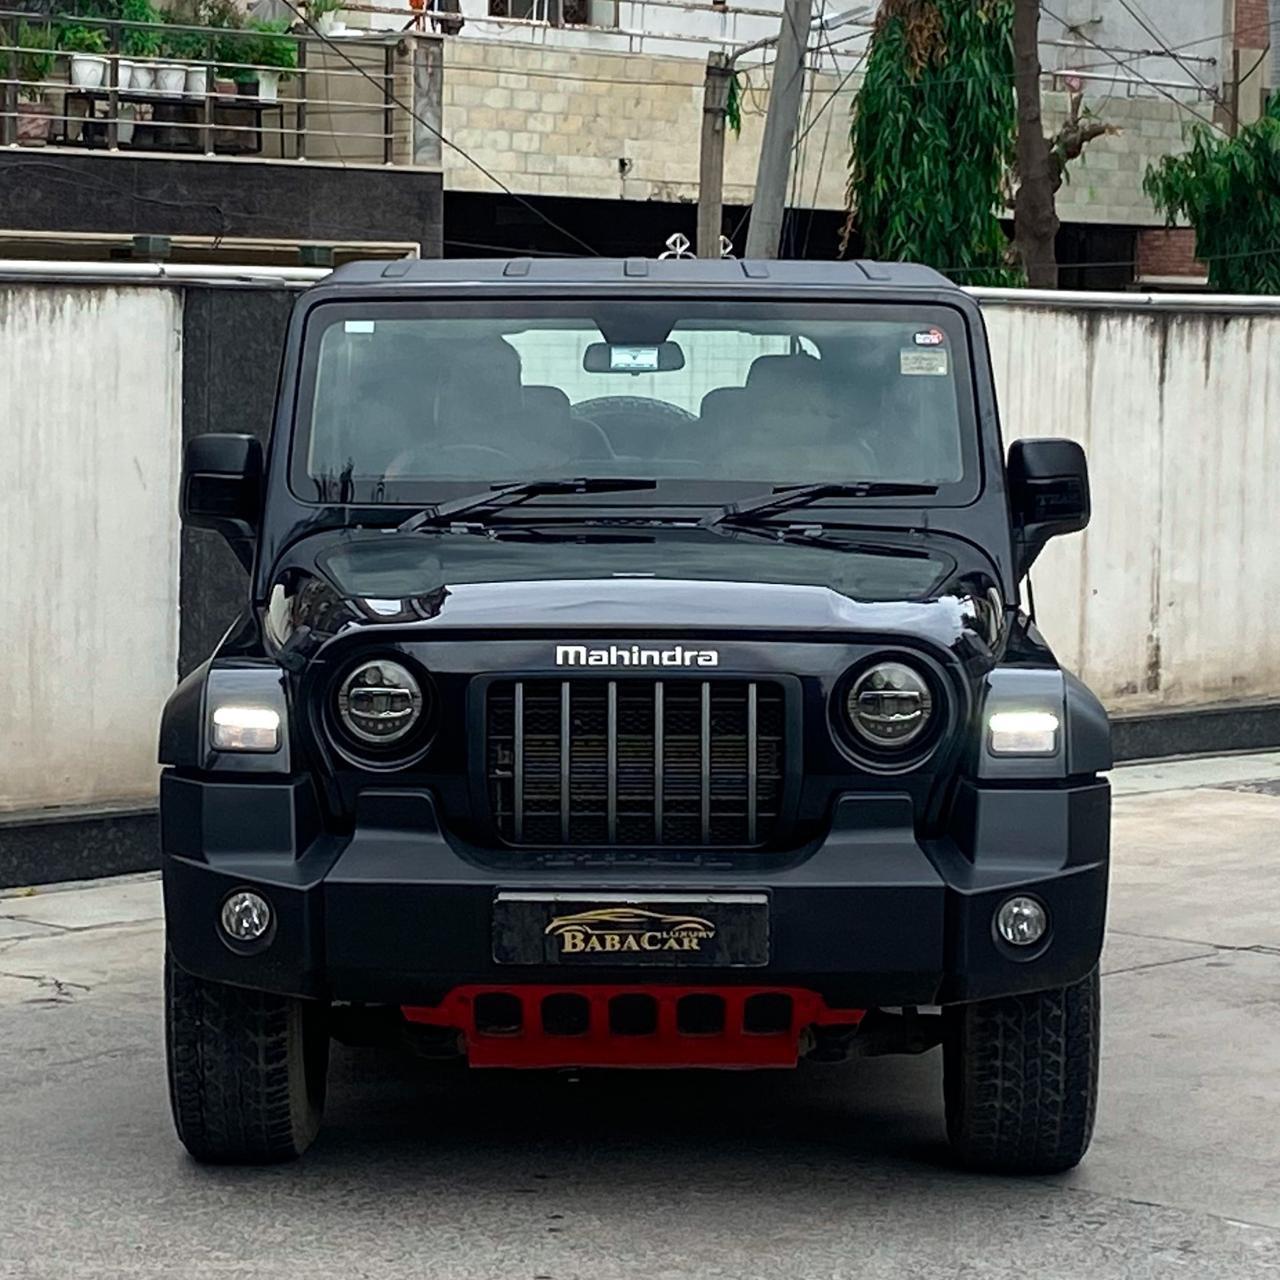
(827, 1173)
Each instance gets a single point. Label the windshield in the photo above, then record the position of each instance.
(403, 402)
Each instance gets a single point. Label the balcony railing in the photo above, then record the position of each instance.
(71, 81)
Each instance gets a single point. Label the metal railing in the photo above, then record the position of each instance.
(311, 97)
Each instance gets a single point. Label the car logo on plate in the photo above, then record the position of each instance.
(629, 929)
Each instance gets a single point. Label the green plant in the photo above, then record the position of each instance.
(184, 46)
(273, 47)
(932, 137)
(141, 41)
(81, 39)
(36, 61)
(318, 8)
(1229, 190)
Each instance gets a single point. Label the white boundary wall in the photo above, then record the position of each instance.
(1170, 599)
(90, 432)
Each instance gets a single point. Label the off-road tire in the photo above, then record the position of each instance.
(1021, 1079)
(246, 1070)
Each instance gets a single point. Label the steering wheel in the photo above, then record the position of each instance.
(603, 409)
(487, 453)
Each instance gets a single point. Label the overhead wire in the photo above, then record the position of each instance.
(1044, 8)
(1214, 95)
(380, 83)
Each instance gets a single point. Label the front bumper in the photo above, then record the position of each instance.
(397, 913)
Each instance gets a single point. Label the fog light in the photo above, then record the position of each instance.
(1021, 921)
(246, 916)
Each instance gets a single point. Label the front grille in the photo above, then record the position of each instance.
(635, 762)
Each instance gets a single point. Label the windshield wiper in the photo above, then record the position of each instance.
(756, 510)
(506, 495)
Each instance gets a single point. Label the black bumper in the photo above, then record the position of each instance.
(396, 913)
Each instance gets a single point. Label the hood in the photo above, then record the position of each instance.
(711, 586)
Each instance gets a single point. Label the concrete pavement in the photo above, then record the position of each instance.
(830, 1172)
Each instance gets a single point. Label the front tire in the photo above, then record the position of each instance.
(1021, 1079)
(246, 1070)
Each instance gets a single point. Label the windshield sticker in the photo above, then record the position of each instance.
(916, 363)
(930, 338)
(358, 326)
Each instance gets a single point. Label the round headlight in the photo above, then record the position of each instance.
(380, 702)
(890, 705)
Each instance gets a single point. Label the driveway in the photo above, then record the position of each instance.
(828, 1172)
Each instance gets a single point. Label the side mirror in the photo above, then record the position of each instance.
(222, 489)
(1048, 494)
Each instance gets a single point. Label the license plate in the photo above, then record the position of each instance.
(671, 931)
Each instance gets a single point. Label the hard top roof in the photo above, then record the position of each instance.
(684, 272)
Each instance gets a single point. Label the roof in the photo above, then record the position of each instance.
(663, 271)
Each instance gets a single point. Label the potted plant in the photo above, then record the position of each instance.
(35, 65)
(139, 44)
(323, 15)
(275, 54)
(191, 50)
(87, 47)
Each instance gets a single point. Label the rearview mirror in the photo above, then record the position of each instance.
(222, 489)
(633, 357)
(1048, 494)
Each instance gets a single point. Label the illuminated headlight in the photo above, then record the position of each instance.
(245, 728)
(1023, 733)
(379, 702)
(890, 705)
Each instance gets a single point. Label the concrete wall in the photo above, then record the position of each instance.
(1169, 597)
(558, 122)
(90, 399)
(1166, 601)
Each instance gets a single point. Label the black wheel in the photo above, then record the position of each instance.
(246, 1070)
(1021, 1079)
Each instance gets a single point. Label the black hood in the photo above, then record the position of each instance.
(939, 591)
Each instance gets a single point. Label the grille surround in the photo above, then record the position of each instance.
(679, 762)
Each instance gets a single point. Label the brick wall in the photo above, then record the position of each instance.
(1169, 251)
(557, 122)
(614, 126)
(1252, 24)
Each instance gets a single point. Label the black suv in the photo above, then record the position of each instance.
(633, 674)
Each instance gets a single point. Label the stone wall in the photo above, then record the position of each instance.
(559, 122)
(555, 122)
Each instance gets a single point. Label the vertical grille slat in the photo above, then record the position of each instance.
(517, 785)
(753, 765)
(659, 730)
(633, 761)
(611, 751)
(566, 738)
(704, 759)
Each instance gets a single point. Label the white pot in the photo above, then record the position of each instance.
(326, 22)
(196, 81)
(268, 86)
(124, 72)
(124, 127)
(88, 70)
(143, 78)
(171, 79)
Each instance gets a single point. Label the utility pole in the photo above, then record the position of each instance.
(785, 93)
(715, 98)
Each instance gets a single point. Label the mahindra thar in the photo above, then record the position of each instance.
(633, 673)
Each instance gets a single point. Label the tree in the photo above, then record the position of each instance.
(1042, 162)
(932, 137)
(1229, 190)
